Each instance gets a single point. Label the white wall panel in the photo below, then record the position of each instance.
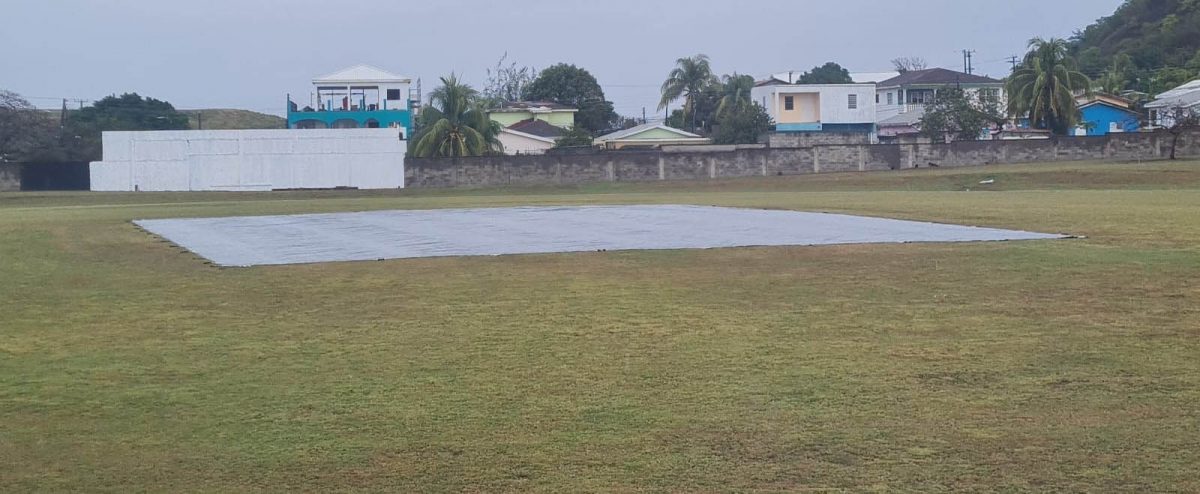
(250, 160)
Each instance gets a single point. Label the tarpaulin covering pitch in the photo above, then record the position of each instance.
(374, 235)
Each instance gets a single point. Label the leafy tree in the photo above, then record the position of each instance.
(1169, 78)
(704, 113)
(1092, 61)
(1176, 120)
(909, 64)
(128, 111)
(1154, 34)
(961, 116)
(455, 124)
(688, 79)
(743, 124)
(507, 82)
(570, 85)
(575, 137)
(1044, 86)
(1117, 77)
(25, 132)
(830, 73)
(735, 93)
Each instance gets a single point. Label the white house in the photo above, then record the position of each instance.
(846, 108)
(530, 137)
(902, 99)
(1185, 97)
(532, 127)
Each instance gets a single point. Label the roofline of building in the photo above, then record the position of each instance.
(526, 134)
(538, 109)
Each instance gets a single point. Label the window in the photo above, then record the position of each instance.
(853, 100)
(891, 98)
(393, 95)
(877, 98)
(789, 103)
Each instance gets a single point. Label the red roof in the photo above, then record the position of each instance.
(538, 128)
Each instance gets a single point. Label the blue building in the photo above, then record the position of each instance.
(355, 98)
(1105, 114)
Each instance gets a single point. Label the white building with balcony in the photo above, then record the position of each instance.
(357, 97)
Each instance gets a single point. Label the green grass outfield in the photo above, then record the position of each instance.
(127, 365)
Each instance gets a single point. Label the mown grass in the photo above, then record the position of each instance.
(128, 365)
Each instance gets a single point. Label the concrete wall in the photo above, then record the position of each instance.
(250, 160)
(710, 162)
(810, 139)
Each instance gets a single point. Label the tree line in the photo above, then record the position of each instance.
(30, 134)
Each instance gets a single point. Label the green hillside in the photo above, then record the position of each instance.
(226, 119)
(1150, 45)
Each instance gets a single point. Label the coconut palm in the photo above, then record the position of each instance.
(1117, 77)
(735, 93)
(455, 124)
(688, 79)
(1045, 86)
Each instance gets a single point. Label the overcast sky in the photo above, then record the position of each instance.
(250, 53)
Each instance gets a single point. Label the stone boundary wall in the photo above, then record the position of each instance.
(757, 161)
(810, 139)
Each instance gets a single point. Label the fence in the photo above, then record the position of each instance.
(683, 163)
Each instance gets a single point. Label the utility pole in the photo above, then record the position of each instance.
(1013, 60)
(968, 67)
(199, 120)
(643, 114)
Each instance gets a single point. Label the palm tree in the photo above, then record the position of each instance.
(735, 93)
(1045, 86)
(455, 124)
(1115, 79)
(689, 77)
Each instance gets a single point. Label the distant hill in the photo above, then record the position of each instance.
(226, 119)
(216, 119)
(1161, 39)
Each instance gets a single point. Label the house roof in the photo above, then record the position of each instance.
(872, 77)
(1187, 95)
(524, 106)
(362, 73)
(1114, 102)
(905, 119)
(1104, 99)
(858, 77)
(538, 128)
(633, 131)
(508, 131)
(936, 77)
